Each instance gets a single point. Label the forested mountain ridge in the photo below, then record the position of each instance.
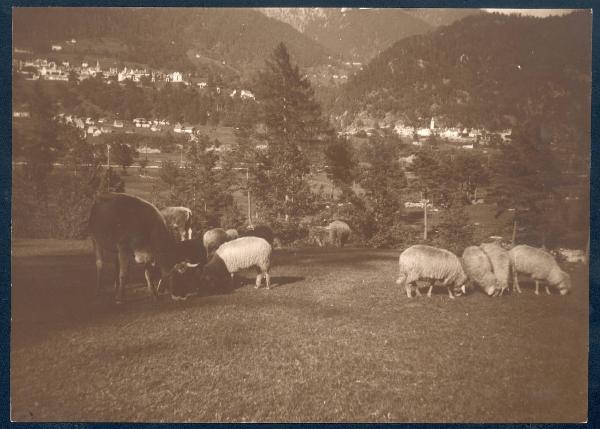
(485, 70)
(185, 39)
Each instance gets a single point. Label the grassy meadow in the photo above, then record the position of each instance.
(335, 340)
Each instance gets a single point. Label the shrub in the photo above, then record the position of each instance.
(290, 233)
(398, 236)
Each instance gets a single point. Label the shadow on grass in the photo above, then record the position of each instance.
(327, 256)
(276, 281)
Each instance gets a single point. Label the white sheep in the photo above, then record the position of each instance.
(500, 260)
(213, 238)
(422, 262)
(232, 234)
(236, 255)
(540, 266)
(339, 232)
(479, 269)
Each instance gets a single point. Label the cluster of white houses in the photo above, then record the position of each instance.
(96, 127)
(459, 135)
(43, 69)
(452, 134)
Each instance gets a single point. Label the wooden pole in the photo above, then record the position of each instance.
(248, 187)
(514, 232)
(425, 220)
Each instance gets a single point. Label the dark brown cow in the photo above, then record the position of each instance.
(130, 226)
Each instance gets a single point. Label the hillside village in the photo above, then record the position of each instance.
(47, 70)
(44, 69)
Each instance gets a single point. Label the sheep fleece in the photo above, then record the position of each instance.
(232, 234)
(427, 262)
(339, 232)
(537, 263)
(500, 260)
(246, 252)
(213, 238)
(479, 268)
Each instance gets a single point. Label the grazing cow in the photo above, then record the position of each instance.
(130, 226)
(179, 219)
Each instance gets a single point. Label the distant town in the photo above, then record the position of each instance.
(44, 69)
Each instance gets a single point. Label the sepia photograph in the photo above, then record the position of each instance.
(288, 214)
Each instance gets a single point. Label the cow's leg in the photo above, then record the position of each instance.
(537, 287)
(148, 271)
(430, 289)
(547, 290)
(267, 279)
(189, 233)
(124, 259)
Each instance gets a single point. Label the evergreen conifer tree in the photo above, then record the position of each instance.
(292, 124)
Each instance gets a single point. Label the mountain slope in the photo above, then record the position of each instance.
(436, 17)
(353, 34)
(486, 70)
(169, 37)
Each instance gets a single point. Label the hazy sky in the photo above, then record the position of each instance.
(533, 12)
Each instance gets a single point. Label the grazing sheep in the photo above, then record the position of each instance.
(261, 231)
(213, 238)
(500, 260)
(236, 255)
(232, 234)
(339, 232)
(540, 266)
(422, 262)
(479, 269)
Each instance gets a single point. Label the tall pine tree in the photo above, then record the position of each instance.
(292, 124)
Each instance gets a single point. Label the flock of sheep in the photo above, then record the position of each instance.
(489, 266)
(132, 227)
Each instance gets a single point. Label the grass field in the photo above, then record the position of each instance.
(335, 340)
